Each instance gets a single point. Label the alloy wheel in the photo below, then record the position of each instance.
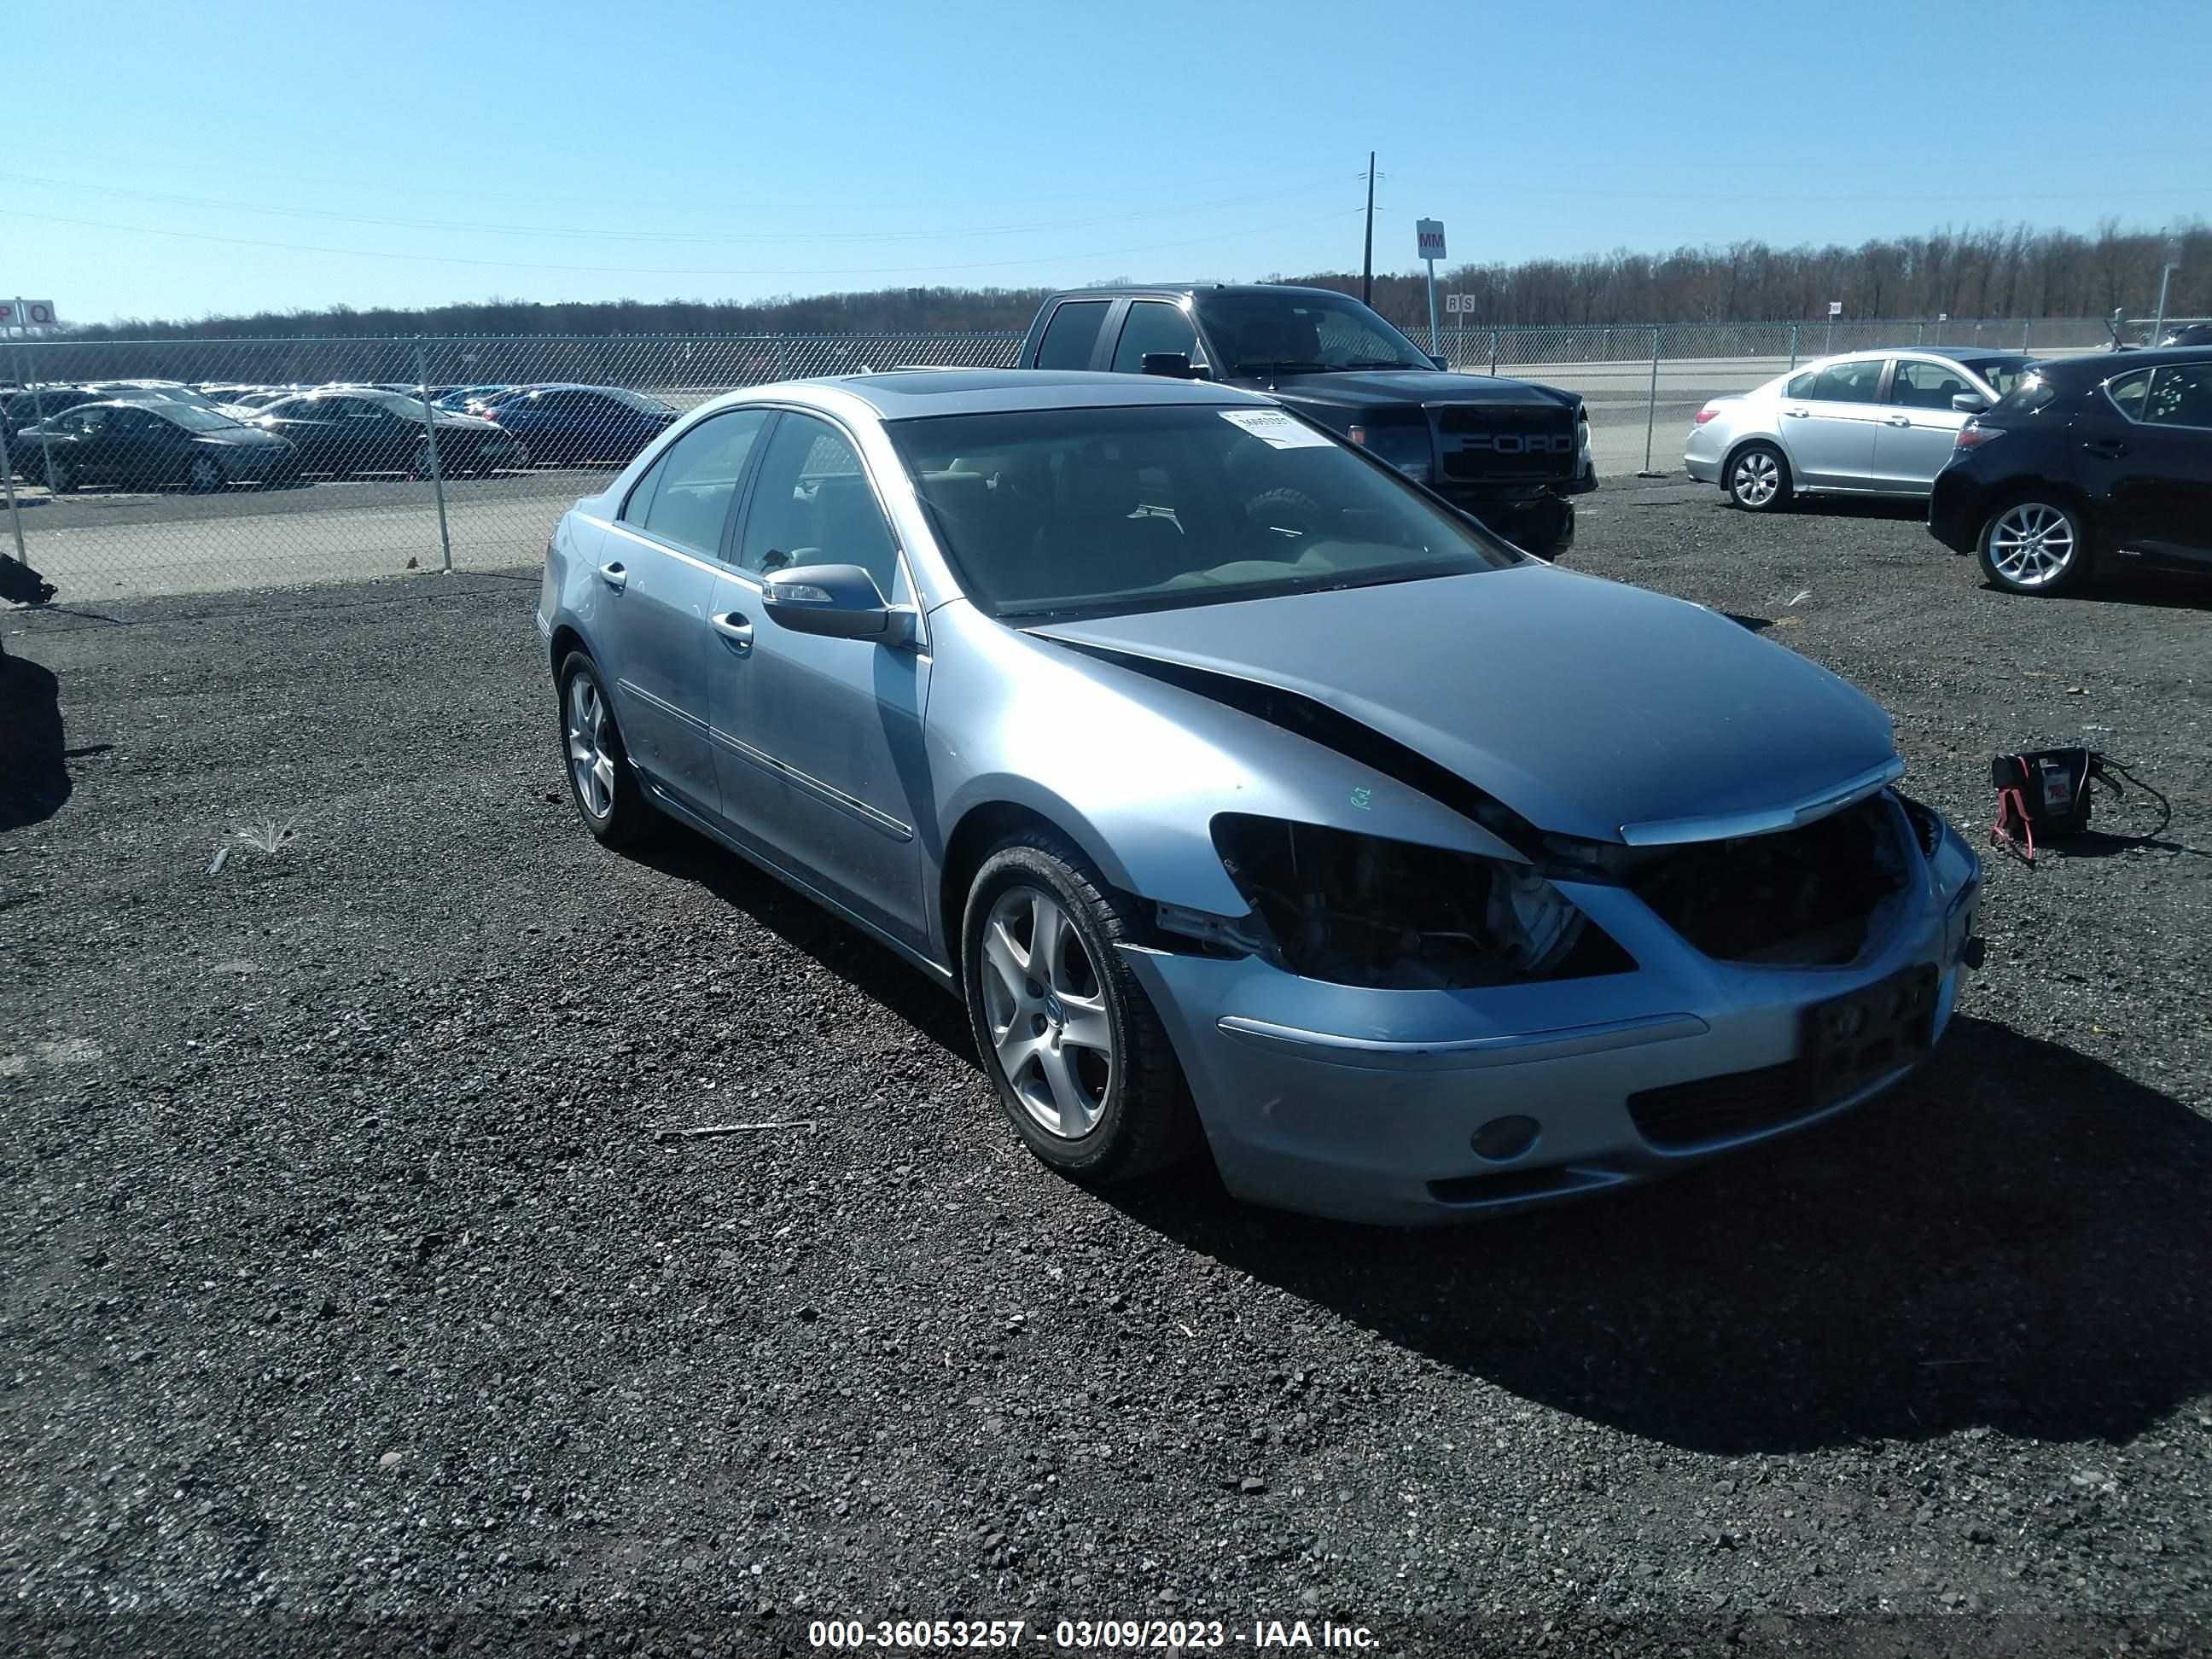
(207, 473)
(1756, 478)
(590, 762)
(1046, 1010)
(2032, 544)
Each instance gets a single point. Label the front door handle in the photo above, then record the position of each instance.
(615, 576)
(1897, 420)
(734, 628)
(1797, 414)
(2107, 449)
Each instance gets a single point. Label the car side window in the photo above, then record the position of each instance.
(2128, 393)
(2179, 395)
(1152, 326)
(1921, 384)
(695, 479)
(1848, 383)
(1072, 333)
(811, 505)
(1801, 385)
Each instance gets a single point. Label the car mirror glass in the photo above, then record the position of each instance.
(1970, 403)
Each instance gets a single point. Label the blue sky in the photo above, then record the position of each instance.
(178, 160)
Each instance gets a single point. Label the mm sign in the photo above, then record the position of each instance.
(26, 313)
(1431, 232)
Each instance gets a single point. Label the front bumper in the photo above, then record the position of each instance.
(1362, 1104)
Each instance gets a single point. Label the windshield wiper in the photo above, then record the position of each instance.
(1382, 362)
(1281, 366)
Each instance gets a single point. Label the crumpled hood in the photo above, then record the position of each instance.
(1583, 705)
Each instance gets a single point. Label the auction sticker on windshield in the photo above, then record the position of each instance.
(1274, 427)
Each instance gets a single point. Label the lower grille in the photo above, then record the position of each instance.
(1685, 1114)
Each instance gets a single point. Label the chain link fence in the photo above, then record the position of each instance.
(180, 465)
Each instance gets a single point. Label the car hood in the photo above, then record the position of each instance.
(1405, 388)
(1585, 705)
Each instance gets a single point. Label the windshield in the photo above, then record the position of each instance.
(2003, 374)
(1300, 330)
(1072, 512)
(651, 406)
(396, 402)
(195, 418)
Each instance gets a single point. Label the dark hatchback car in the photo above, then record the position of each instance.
(26, 408)
(367, 429)
(583, 424)
(150, 445)
(2086, 459)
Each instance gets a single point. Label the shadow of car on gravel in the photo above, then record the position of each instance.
(35, 778)
(2125, 582)
(2016, 1239)
(845, 950)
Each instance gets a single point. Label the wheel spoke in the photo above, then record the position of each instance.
(1045, 943)
(603, 773)
(1068, 1098)
(1016, 1048)
(1005, 959)
(1087, 1026)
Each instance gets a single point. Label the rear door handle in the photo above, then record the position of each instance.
(615, 576)
(734, 628)
(2109, 449)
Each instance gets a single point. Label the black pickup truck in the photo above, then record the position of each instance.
(1508, 452)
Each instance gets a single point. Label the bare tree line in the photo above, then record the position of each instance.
(1995, 272)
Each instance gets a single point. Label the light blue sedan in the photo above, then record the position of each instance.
(1251, 798)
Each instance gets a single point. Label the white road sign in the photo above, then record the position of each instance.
(1431, 234)
(26, 313)
(1835, 307)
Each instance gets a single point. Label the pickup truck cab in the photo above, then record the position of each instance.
(1509, 453)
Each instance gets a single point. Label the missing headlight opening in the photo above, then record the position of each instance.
(1800, 897)
(1362, 910)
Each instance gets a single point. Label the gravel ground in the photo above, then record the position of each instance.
(345, 1279)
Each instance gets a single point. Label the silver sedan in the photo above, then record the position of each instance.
(1251, 798)
(1862, 423)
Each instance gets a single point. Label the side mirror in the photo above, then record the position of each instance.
(839, 601)
(1175, 365)
(1971, 402)
(1442, 368)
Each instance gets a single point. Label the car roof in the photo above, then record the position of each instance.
(2096, 366)
(1181, 290)
(1950, 354)
(910, 393)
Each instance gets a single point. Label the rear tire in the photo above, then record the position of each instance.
(1094, 1091)
(2036, 546)
(1758, 479)
(63, 479)
(608, 794)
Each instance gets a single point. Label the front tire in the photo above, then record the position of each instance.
(204, 475)
(2036, 546)
(1758, 479)
(609, 795)
(63, 479)
(1080, 1060)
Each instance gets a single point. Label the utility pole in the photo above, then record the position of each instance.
(1367, 258)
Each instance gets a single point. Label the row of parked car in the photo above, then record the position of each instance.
(153, 434)
(2044, 468)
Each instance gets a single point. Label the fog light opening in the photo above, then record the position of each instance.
(1503, 1139)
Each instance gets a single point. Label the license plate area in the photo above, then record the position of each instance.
(1850, 1041)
